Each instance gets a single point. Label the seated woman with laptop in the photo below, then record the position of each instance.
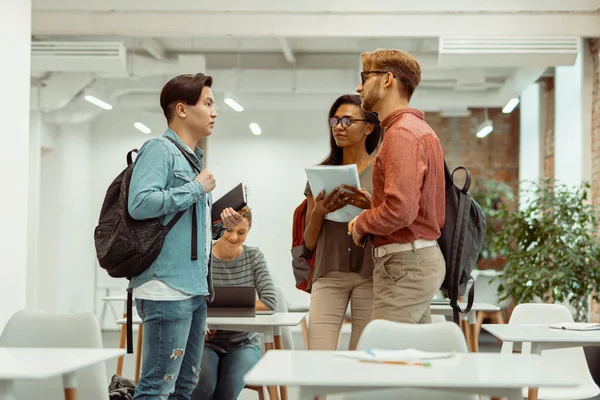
(229, 355)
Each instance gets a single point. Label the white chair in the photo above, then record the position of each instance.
(435, 337)
(486, 291)
(573, 359)
(286, 332)
(39, 329)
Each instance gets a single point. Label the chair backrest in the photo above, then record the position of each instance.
(286, 332)
(442, 336)
(572, 359)
(536, 313)
(486, 289)
(38, 329)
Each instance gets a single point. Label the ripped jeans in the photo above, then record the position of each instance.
(173, 344)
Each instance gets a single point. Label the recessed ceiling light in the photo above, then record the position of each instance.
(255, 128)
(142, 128)
(512, 103)
(233, 104)
(97, 102)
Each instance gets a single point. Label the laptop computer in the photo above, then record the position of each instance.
(233, 301)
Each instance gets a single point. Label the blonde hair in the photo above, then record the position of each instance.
(401, 64)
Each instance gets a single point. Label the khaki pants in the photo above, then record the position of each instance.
(328, 304)
(404, 284)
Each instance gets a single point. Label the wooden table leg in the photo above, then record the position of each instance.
(532, 394)
(474, 338)
(474, 332)
(70, 386)
(122, 346)
(304, 326)
(279, 346)
(138, 355)
(464, 325)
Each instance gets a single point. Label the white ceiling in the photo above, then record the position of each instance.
(276, 55)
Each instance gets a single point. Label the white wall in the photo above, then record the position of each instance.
(530, 149)
(573, 120)
(271, 165)
(65, 267)
(15, 44)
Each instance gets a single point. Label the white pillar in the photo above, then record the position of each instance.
(530, 151)
(36, 126)
(572, 120)
(75, 258)
(15, 71)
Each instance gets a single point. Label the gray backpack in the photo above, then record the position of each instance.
(126, 247)
(461, 239)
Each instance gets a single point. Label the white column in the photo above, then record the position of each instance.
(75, 258)
(36, 127)
(15, 71)
(530, 162)
(572, 120)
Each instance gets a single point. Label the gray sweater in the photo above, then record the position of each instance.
(249, 269)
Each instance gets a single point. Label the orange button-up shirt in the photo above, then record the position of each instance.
(408, 200)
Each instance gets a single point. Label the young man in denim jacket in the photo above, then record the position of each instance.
(171, 294)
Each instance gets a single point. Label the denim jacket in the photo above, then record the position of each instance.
(164, 183)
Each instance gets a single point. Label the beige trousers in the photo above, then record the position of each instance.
(328, 304)
(404, 284)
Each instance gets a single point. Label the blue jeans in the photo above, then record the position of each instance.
(173, 343)
(222, 374)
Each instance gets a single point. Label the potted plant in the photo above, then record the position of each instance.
(551, 247)
(491, 195)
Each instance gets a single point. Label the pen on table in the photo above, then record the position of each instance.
(415, 364)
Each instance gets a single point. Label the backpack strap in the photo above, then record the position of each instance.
(129, 321)
(176, 218)
(130, 156)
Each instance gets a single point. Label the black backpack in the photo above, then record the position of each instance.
(461, 239)
(126, 247)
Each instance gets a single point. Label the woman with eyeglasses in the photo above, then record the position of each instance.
(229, 355)
(343, 272)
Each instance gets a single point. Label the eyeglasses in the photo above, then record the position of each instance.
(365, 74)
(346, 121)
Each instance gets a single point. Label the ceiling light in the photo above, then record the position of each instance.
(142, 128)
(233, 104)
(485, 128)
(512, 103)
(255, 128)
(97, 102)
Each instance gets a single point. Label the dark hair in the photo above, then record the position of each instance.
(336, 153)
(185, 88)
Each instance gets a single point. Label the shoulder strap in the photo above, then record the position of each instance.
(130, 156)
(186, 154)
(194, 239)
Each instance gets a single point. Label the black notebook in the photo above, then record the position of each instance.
(235, 198)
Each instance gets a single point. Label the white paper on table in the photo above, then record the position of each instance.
(406, 355)
(576, 326)
(328, 177)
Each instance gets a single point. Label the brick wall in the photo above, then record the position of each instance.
(547, 127)
(493, 157)
(595, 50)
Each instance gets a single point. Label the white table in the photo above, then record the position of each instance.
(471, 317)
(318, 373)
(268, 324)
(18, 363)
(542, 337)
